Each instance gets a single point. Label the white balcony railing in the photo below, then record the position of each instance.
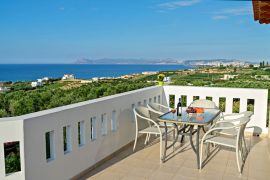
(259, 96)
(106, 125)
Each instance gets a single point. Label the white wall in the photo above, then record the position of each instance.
(11, 131)
(65, 166)
(258, 120)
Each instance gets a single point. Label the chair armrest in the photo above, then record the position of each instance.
(218, 129)
(148, 119)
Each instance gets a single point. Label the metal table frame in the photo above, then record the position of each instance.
(186, 130)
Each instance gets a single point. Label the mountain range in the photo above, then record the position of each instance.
(162, 61)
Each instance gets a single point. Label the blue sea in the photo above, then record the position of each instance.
(28, 72)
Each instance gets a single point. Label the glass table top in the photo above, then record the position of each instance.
(191, 118)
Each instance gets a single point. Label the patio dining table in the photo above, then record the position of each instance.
(188, 122)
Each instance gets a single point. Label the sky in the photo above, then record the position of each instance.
(62, 31)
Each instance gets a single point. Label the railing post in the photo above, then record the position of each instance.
(269, 120)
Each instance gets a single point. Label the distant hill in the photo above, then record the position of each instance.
(126, 61)
(212, 62)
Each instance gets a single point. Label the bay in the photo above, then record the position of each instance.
(29, 72)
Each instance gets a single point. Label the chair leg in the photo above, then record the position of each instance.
(160, 150)
(201, 154)
(245, 145)
(146, 139)
(237, 159)
(173, 139)
(135, 141)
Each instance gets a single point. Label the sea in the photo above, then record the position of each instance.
(29, 72)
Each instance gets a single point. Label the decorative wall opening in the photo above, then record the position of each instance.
(50, 151)
(12, 157)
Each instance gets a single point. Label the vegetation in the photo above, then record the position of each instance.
(23, 100)
(12, 158)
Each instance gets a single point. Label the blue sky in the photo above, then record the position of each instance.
(62, 31)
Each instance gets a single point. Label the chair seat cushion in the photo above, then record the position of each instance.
(220, 140)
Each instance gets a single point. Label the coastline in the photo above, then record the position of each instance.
(30, 72)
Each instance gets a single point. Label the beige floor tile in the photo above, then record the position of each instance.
(259, 175)
(180, 177)
(181, 163)
(161, 175)
(230, 177)
(188, 172)
(110, 176)
(131, 177)
(140, 172)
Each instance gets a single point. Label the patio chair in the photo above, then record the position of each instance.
(156, 110)
(234, 142)
(230, 120)
(145, 125)
(204, 103)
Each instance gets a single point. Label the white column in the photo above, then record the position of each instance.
(189, 99)
(229, 105)
(243, 104)
(216, 100)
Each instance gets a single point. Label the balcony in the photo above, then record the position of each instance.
(92, 139)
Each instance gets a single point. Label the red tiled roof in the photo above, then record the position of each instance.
(261, 9)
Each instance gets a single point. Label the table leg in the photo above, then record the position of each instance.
(183, 136)
(198, 146)
(190, 138)
(166, 139)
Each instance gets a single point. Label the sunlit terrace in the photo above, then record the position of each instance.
(181, 163)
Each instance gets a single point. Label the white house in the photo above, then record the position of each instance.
(4, 89)
(228, 77)
(37, 83)
(45, 79)
(262, 77)
(68, 77)
(167, 79)
(149, 73)
(95, 78)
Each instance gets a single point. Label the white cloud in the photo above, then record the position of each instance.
(237, 11)
(219, 17)
(62, 8)
(226, 13)
(177, 4)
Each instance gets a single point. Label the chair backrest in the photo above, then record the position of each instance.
(241, 128)
(247, 113)
(156, 110)
(140, 113)
(233, 116)
(204, 103)
(159, 108)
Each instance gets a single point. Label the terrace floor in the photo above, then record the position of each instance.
(181, 163)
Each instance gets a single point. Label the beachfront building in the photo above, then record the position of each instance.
(95, 79)
(68, 77)
(45, 79)
(149, 72)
